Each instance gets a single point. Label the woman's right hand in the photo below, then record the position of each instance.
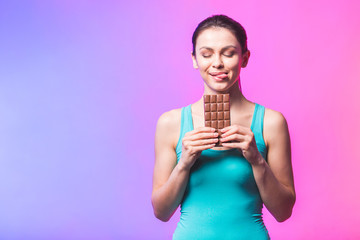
(194, 142)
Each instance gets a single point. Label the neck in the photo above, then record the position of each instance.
(235, 92)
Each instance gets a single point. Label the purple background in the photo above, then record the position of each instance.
(82, 84)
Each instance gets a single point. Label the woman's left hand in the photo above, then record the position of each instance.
(243, 139)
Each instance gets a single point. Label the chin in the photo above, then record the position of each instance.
(221, 87)
(220, 90)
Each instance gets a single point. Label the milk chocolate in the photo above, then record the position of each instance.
(217, 112)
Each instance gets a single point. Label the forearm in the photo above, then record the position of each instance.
(167, 198)
(278, 198)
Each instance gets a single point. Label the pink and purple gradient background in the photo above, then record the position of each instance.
(82, 84)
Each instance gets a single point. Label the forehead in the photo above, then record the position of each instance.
(216, 38)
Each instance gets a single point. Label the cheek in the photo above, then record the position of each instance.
(203, 65)
(234, 64)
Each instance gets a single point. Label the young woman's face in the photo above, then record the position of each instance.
(219, 59)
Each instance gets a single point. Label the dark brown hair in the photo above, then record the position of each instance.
(222, 21)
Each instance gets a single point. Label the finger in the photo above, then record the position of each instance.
(191, 145)
(235, 129)
(204, 142)
(204, 147)
(200, 130)
(198, 136)
(229, 130)
(233, 137)
(225, 129)
(232, 145)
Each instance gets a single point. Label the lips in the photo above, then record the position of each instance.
(219, 75)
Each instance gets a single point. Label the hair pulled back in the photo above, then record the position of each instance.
(222, 21)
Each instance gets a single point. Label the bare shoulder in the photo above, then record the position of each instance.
(275, 124)
(168, 125)
(170, 118)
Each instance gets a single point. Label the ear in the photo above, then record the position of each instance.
(245, 57)
(195, 65)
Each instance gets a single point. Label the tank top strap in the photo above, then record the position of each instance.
(257, 127)
(186, 125)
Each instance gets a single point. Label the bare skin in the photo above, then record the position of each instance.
(219, 59)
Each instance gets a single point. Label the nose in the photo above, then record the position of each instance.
(218, 63)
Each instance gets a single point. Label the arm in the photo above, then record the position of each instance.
(274, 178)
(170, 179)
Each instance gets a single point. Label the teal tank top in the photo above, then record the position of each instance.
(221, 200)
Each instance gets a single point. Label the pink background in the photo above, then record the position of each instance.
(82, 84)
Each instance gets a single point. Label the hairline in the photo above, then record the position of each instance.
(219, 27)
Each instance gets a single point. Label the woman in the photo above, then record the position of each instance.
(222, 189)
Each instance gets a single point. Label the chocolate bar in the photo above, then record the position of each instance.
(217, 112)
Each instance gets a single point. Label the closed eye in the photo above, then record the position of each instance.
(206, 55)
(229, 54)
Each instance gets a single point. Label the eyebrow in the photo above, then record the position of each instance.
(224, 48)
